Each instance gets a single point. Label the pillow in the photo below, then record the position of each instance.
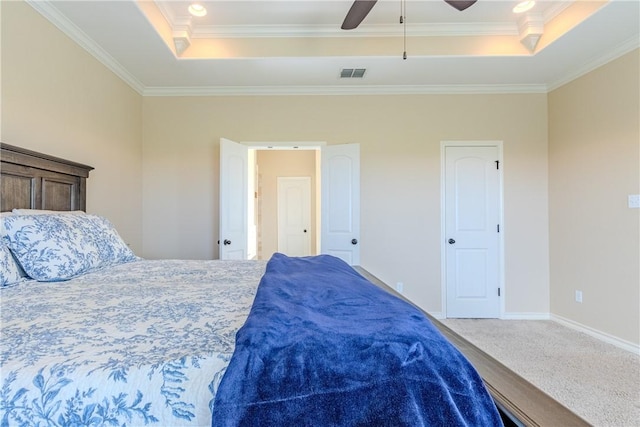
(44, 212)
(10, 272)
(61, 246)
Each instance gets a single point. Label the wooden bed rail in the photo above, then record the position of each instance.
(520, 401)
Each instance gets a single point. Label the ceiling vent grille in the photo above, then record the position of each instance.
(349, 73)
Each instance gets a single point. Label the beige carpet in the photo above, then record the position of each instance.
(594, 379)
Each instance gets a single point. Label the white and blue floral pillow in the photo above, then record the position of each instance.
(61, 246)
(10, 272)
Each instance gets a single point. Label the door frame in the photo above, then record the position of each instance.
(322, 153)
(316, 146)
(503, 228)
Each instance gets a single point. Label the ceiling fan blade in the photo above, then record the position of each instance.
(461, 4)
(359, 10)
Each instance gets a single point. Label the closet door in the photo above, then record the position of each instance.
(472, 231)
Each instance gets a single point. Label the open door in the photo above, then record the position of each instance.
(234, 187)
(340, 234)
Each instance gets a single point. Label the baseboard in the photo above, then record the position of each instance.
(602, 336)
(506, 316)
(526, 316)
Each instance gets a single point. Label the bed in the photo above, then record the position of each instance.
(94, 335)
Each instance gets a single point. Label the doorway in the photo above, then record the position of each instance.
(337, 197)
(472, 230)
(273, 168)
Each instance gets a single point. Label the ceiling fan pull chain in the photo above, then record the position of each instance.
(403, 21)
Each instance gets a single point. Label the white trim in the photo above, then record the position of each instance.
(443, 266)
(602, 336)
(375, 30)
(443, 235)
(615, 53)
(344, 90)
(285, 145)
(53, 15)
(47, 9)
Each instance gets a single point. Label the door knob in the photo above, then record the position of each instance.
(451, 241)
(227, 241)
(354, 241)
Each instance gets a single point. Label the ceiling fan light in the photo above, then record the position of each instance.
(197, 9)
(524, 6)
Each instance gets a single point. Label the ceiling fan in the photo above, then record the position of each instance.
(361, 8)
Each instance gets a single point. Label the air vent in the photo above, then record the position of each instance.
(348, 73)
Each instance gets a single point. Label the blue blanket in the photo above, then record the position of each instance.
(323, 346)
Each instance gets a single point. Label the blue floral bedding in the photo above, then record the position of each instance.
(145, 342)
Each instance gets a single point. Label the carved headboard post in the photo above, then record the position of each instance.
(31, 180)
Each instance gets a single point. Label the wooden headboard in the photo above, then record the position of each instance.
(31, 180)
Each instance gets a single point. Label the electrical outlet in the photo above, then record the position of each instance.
(634, 201)
(578, 296)
(399, 287)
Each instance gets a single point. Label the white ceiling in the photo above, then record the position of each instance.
(297, 46)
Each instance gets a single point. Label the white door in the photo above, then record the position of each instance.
(294, 215)
(340, 188)
(234, 187)
(472, 241)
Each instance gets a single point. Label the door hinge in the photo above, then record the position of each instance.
(497, 164)
(498, 291)
(498, 228)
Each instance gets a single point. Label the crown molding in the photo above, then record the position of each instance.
(322, 31)
(53, 15)
(343, 90)
(556, 9)
(615, 53)
(375, 30)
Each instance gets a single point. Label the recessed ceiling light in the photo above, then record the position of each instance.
(197, 9)
(524, 6)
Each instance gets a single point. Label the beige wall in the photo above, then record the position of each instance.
(282, 163)
(156, 163)
(400, 140)
(594, 164)
(58, 99)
